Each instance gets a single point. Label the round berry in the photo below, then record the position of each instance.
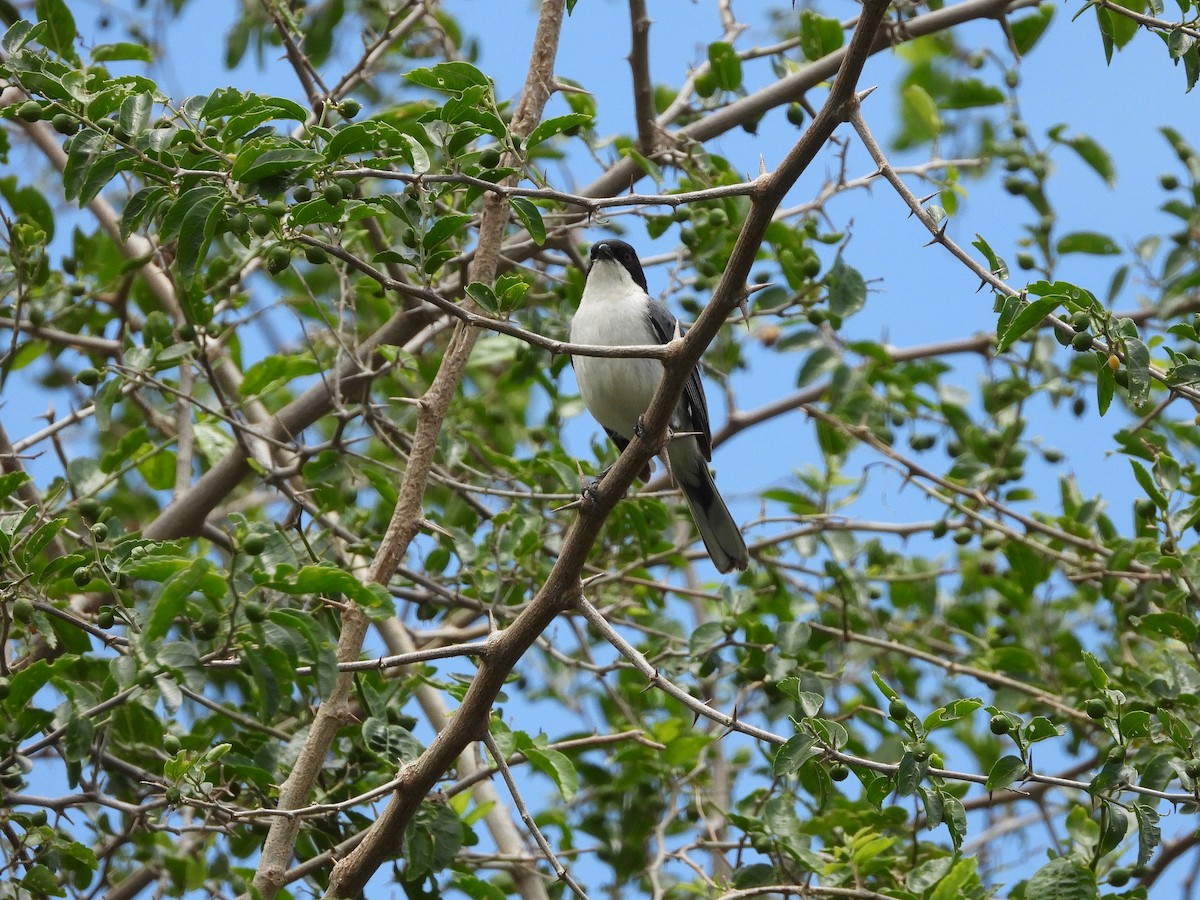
(1097, 708)
(1000, 724)
(333, 194)
(278, 259)
(898, 709)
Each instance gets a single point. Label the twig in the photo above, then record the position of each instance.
(523, 811)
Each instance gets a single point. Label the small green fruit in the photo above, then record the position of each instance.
(1096, 708)
(254, 544)
(157, 328)
(30, 111)
(333, 194)
(1082, 342)
(1119, 877)
(898, 710)
(277, 208)
(963, 536)
(795, 114)
(302, 194)
(350, 108)
(64, 123)
(1168, 181)
(255, 611)
(315, 255)
(89, 377)
(262, 224)
(99, 532)
(489, 158)
(278, 259)
(1000, 724)
(82, 576)
(106, 618)
(1145, 508)
(839, 772)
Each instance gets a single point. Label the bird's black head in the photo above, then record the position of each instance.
(620, 252)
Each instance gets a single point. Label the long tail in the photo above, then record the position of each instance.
(720, 533)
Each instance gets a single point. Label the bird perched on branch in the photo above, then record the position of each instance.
(617, 311)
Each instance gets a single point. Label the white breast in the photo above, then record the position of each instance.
(613, 313)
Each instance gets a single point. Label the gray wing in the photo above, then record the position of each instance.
(694, 405)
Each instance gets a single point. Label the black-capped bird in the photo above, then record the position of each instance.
(617, 311)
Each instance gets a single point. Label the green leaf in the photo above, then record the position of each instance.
(922, 110)
(1106, 384)
(531, 218)
(1062, 879)
(139, 207)
(393, 744)
(483, 295)
(1149, 485)
(971, 93)
(1029, 317)
(19, 34)
(196, 232)
(1149, 834)
(1040, 728)
(996, 264)
(954, 885)
(171, 599)
(330, 580)
(1088, 242)
(269, 373)
(1006, 771)
(1097, 671)
(819, 35)
(135, 114)
(1090, 152)
(59, 35)
(122, 51)
(449, 77)
(10, 482)
(1169, 624)
(557, 125)
(557, 766)
(798, 750)
(847, 289)
(1027, 30)
(86, 146)
(444, 229)
(253, 165)
(1137, 362)
(726, 65)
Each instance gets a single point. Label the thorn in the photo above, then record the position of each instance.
(754, 289)
(745, 308)
(568, 88)
(928, 197)
(762, 165)
(865, 93)
(940, 236)
(436, 528)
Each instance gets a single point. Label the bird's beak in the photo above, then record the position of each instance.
(601, 251)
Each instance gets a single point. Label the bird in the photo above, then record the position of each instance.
(616, 310)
